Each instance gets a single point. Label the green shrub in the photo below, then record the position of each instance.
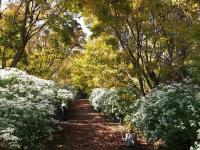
(114, 101)
(170, 113)
(27, 109)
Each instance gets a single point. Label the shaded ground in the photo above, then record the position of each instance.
(87, 130)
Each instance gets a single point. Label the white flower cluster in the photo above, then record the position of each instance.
(27, 108)
(197, 143)
(170, 113)
(96, 98)
(112, 101)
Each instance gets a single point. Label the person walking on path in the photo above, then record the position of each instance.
(64, 111)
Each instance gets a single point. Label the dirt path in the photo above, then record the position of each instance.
(87, 130)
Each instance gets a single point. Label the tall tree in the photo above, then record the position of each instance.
(155, 34)
(46, 53)
(30, 17)
(101, 64)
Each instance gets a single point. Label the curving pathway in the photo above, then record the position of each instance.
(87, 130)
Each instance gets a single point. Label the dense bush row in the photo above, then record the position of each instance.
(169, 113)
(113, 102)
(27, 109)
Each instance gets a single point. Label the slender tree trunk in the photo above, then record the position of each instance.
(141, 85)
(23, 37)
(140, 71)
(4, 58)
(137, 67)
(17, 56)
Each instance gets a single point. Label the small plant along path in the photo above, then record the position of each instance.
(87, 130)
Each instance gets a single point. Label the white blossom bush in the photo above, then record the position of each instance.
(196, 145)
(170, 113)
(113, 102)
(27, 109)
(97, 97)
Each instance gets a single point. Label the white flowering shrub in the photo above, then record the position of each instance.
(27, 109)
(112, 101)
(170, 113)
(196, 145)
(96, 98)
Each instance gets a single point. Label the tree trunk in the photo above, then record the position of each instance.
(23, 37)
(17, 57)
(4, 58)
(141, 85)
(140, 71)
